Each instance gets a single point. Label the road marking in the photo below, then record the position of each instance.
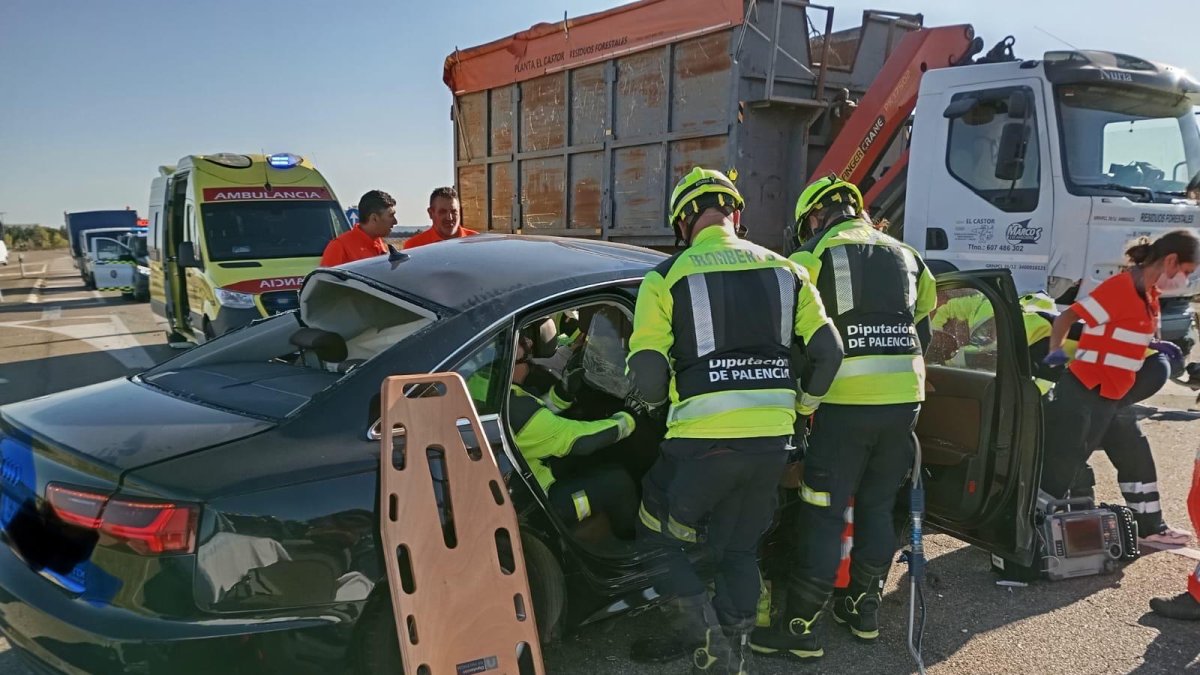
(1184, 551)
(32, 298)
(16, 274)
(107, 334)
(51, 313)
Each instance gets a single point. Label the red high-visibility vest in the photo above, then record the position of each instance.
(1120, 324)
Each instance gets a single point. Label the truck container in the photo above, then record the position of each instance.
(79, 222)
(582, 127)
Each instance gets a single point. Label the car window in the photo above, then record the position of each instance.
(963, 331)
(593, 338)
(486, 374)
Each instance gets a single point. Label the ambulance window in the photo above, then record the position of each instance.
(190, 225)
(972, 150)
(152, 239)
(963, 331)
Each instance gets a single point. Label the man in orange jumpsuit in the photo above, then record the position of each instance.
(377, 217)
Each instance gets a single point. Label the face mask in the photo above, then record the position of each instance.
(1173, 283)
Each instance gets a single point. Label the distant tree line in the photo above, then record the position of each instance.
(35, 237)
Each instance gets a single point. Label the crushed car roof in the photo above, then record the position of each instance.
(463, 273)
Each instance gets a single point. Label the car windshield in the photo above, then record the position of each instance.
(1122, 140)
(266, 230)
(274, 367)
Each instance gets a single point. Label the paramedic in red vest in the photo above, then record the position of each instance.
(377, 217)
(1121, 317)
(444, 213)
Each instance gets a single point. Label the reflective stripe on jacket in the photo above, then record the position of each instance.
(1120, 324)
(724, 313)
(875, 289)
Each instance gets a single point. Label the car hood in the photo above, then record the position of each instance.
(124, 425)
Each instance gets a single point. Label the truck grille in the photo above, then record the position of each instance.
(275, 302)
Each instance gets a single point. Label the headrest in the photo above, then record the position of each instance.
(544, 335)
(328, 346)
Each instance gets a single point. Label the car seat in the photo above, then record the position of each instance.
(321, 349)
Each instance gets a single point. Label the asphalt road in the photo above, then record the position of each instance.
(55, 335)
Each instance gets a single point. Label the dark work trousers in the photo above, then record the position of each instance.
(1129, 450)
(859, 451)
(606, 489)
(719, 493)
(1076, 419)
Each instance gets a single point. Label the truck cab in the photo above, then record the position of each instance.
(106, 263)
(1051, 168)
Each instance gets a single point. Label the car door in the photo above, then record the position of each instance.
(115, 265)
(980, 426)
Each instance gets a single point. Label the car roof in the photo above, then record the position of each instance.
(508, 271)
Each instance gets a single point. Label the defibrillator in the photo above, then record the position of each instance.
(1077, 538)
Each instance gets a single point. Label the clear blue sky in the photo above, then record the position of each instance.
(95, 94)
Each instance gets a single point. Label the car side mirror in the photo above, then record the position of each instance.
(187, 255)
(1010, 155)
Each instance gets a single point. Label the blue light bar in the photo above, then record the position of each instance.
(283, 160)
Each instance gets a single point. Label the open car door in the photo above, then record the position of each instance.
(980, 426)
(115, 265)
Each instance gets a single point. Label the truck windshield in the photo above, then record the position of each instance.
(266, 230)
(137, 245)
(1127, 141)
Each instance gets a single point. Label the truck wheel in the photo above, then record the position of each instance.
(375, 648)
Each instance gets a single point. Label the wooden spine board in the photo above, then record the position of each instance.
(459, 613)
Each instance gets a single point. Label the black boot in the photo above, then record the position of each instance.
(703, 636)
(689, 619)
(796, 632)
(1182, 606)
(736, 661)
(857, 607)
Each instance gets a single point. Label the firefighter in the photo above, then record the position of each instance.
(541, 434)
(1122, 317)
(879, 294)
(713, 331)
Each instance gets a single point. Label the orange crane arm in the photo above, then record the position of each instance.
(891, 98)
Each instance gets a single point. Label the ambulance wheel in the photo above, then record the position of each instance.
(375, 648)
(209, 333)
(90, 282)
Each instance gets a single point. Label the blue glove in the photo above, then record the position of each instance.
(1168, 349)
(1056, 358)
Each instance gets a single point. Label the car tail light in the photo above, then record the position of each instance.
(147, 527)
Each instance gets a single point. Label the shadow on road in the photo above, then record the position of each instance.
(1174, 649)
(37, 377)
(17, 308)
(964, 601)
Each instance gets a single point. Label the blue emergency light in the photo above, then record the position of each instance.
(283, 160)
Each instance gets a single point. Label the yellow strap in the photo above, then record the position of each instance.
(583, 508)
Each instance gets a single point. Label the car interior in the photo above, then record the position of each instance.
(592, 337)
(956, 427)
(341, 325)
